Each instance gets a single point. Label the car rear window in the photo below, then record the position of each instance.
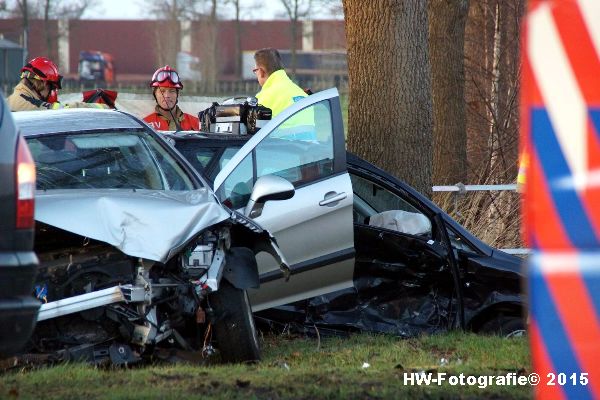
(107, 160)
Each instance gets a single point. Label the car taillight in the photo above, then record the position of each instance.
(25, 186)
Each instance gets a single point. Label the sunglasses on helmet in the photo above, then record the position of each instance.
(162, 76)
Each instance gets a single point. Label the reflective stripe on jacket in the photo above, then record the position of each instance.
(159, 122)
(25, 99)
(279, 92)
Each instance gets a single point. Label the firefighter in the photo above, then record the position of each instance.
(167, 115)
(38, 88)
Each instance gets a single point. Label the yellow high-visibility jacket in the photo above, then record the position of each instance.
(279, 92)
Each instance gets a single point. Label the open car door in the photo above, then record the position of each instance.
(304, 145)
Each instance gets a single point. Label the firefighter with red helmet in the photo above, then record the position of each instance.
(38, 88)
(167, 115)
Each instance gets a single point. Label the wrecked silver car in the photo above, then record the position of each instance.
(136, 253)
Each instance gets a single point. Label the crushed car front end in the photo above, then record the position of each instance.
(136, 253)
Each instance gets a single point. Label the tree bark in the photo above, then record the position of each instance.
(492, 68)
(447, 20)
(510, 14)
(390, 110)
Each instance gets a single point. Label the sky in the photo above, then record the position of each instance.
(134, 9)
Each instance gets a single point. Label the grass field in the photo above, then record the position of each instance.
(359, 367)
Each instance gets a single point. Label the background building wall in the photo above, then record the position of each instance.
(132, 43)
(136, 44)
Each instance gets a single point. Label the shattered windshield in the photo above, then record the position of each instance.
(107, 160)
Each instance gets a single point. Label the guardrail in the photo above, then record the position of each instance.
(517, 252)
(459, 188)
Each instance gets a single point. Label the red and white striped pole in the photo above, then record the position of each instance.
(560, 134)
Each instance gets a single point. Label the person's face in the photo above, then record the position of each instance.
(261, 75)
(166, 97)
(45, 92)
(43, 87)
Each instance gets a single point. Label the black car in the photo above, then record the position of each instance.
(18, 308)
(414, 268)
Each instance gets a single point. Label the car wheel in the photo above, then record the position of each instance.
(233, 325)
(508, 326)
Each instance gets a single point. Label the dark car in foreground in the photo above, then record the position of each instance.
(18, 308)
(136, 253)
(414, 269)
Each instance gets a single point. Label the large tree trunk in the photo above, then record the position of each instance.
(510, 15)
(491, 91)
(446, 53)
(390, 111)
(492, 81)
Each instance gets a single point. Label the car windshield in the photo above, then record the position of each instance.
(107, 160)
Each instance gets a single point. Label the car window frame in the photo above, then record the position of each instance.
(391, 187)
(339, 152)
(404, 196)
(473, 250)
(160, 166)
(195, 177)
(421, 206)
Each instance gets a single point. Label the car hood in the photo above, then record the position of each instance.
(141, 223)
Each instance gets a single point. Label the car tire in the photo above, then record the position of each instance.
(508, 326)
(233, 325)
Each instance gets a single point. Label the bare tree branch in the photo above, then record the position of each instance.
(46, 9)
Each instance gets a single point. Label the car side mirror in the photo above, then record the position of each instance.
(266, 188)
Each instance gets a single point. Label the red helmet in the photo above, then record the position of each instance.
(166, 77)
(43, 69)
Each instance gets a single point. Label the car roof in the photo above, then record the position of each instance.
(73, 120)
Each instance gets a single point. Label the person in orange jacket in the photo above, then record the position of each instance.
(167, 115)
